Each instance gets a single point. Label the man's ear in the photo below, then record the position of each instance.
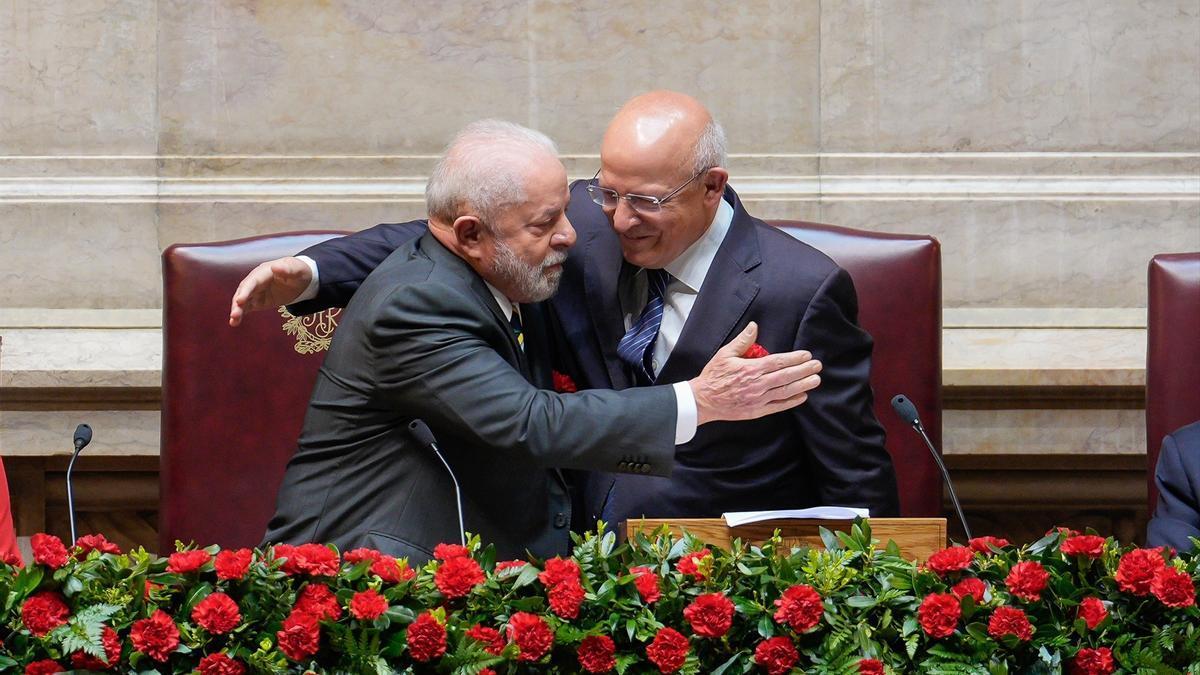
(469, 233)
(714, 184)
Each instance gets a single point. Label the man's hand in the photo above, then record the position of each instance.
(734, 388)
(271, 284)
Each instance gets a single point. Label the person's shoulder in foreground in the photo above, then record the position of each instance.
(1177, 516)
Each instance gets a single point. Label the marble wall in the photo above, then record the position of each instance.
(1051, 145)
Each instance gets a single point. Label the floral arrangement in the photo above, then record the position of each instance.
(1070, 602)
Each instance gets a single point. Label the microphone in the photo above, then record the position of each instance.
(908, 412)
(420, 431)
(83, 436)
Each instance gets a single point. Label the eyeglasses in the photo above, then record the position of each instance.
(607, 198)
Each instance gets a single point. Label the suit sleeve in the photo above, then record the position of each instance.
(432, 358)
(344, 262)
(838, 420)
(1178, 514)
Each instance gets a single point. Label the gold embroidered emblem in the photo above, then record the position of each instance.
(313, 332)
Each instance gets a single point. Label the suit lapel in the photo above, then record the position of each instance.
(729, 287)
(601, 271)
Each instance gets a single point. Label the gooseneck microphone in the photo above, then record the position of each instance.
(83, 436)
(908, 412)
(424, 436)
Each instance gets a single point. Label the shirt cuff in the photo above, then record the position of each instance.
(311, 292)
(687, 418)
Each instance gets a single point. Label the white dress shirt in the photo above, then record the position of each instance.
(686, 417)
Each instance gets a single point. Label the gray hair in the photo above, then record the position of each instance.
(710, 147)
(482, 169)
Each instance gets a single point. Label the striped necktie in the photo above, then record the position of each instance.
(518, 330)
(637, 345)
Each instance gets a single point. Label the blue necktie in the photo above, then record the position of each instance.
(517, 328)
(637, 345)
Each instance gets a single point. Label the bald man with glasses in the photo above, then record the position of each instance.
(667, 267)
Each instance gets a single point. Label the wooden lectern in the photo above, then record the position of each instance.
(918, 538)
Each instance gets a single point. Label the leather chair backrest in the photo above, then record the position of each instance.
(1173, 352)
(234, 399)
(898, 278)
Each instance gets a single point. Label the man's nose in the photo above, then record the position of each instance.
(564, 235)
(624, 216)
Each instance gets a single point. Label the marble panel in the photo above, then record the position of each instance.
(81, 357)
(1036, 432)
(82, 254)
(1044, 357)
(1035, 253)
(344, 77)
(920, 75)
(754, 65)
(44, 433)
(77, 77)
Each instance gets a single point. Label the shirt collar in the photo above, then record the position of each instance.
(692, 265)
(506, 305)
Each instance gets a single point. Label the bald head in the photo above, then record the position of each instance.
(663, 133)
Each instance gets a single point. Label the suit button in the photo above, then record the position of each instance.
(645, 468)
(560, 520)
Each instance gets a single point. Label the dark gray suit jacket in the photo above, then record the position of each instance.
(424, 338)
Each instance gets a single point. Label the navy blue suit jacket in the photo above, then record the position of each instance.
(1177, 516)
(830, 450)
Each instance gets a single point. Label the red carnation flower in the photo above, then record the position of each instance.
(361, 555)
(509, 565)
(1066, 531)
(315, 560)
(44, 667)
(755, 351)
(217, 614)
(426, 638)
(1092, 611)
(233, 565)
(155, 637)
(487, 671)
(220, 664)
(1027, 580)
(777, 655)
(970, 587)
(391, 571)
(984, 544)
(44, 611)
(187, 561)
(95, 542)
(492, 641)
(445, 552)
(566, 597)
(559, 570)
(319, 601)
(953, 559)
(800, 607)
(596, 654)
(1137, 568)
(112, 653)
(647, 584)
(13, 559)
(1097, 661)
(1010, 621)
(870, 667)
(532, 635)
(563, 384)
(668, 650)
(691, 565)
(368, 605)
(48, 550)
(1173, 588)
(457, 576)
(1085, 545)
(300, 635)
(710, 615)
(939, 614)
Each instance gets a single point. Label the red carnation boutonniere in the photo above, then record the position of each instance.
(563, 383)
(756, 351)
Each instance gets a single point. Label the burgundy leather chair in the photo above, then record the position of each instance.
(1172, 354)
(234, 399)
(898, 278)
